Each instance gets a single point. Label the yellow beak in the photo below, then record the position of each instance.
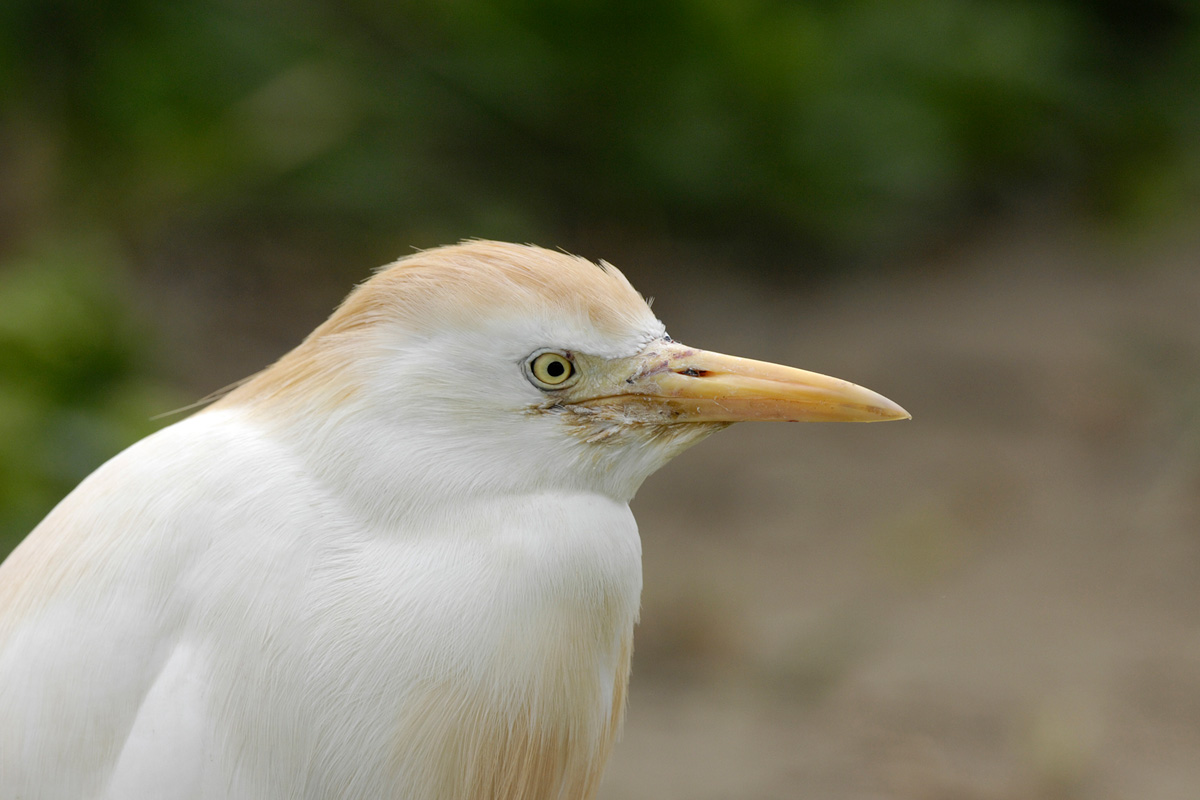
(676, 383)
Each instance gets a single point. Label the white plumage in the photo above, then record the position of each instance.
(398, 563)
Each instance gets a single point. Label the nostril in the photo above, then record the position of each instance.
(692, 372)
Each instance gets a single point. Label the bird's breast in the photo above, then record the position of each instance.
(509, 627)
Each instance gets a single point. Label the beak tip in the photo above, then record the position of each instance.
(888, 411)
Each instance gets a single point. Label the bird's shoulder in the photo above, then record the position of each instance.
(149, 507)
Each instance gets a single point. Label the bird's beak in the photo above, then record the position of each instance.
(675, 383)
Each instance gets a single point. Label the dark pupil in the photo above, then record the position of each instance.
(555, 368)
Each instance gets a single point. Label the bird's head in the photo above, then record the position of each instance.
(513, 368)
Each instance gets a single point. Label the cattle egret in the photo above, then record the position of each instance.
(398, 563)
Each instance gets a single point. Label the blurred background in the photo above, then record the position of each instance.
(988, 210)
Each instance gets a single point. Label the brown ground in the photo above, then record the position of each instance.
(998, 600)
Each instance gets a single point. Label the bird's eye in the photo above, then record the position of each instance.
(551, 370)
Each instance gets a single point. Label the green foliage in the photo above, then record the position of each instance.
(72, 385)
(851, 125)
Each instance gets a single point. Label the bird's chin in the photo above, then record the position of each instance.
(621, 444)
(623, 453)
(671, 440)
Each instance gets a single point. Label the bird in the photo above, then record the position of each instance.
(399, 562)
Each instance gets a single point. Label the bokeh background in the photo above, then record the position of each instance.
(988, 210)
